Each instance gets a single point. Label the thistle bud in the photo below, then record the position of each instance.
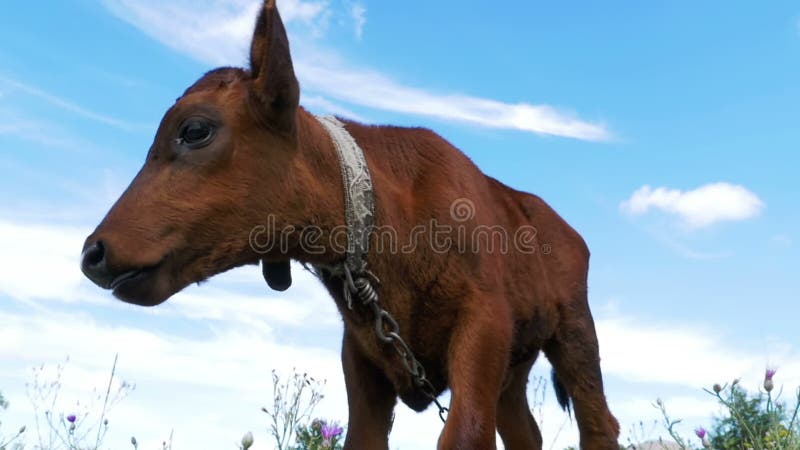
(22, 430)
(703, 435)
(133, 442)
(717, 388)
(247, 440)
(768, 384)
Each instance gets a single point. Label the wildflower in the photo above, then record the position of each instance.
(768, 384)
(703, 435)
(330, 432)
(71, 418)
(247, 440)
(717, 388)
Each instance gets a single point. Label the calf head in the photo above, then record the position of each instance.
(222, 159)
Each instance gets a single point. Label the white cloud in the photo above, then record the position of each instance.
(230, 368)
(689, 355)
(662, 353)
(40, 261)
(360, 18)
(219, 32)
(698, 208)
(180, 377)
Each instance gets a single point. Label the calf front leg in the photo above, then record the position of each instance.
(370, 398)
(478, 357)
(515, 422)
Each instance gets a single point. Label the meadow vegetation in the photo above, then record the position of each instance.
(760, 420)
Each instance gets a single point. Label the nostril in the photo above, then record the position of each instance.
(94, 265)
(95, 254)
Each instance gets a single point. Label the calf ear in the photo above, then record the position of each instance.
(278, 275)
(275, 86)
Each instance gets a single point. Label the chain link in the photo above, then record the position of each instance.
(388, 331)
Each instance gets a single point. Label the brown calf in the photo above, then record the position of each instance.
(502, 276)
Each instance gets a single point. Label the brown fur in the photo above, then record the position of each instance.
(475, 319)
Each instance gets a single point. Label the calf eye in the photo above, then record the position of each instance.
(196, 132)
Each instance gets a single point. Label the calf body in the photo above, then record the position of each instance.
(479, 277)
(475, 309)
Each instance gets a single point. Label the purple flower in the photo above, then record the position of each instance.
(331, 431)
(701, 433)
(768, 384)
(71, 418)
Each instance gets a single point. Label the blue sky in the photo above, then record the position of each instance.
(667, 135)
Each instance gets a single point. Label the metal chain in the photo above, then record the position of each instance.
(388, 331)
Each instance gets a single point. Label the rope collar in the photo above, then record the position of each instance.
(359, 197)
(358, 282)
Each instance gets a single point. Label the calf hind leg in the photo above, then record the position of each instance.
(516, 425)
(573, 350)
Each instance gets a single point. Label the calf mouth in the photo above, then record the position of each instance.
(132, 276)
(146, 286)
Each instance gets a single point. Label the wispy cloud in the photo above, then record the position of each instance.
(320, 104)
(65, 104)
(49, 135)
(782, 240)
(219, 33)
(359, 13)
(700, 207)
(675, 243)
